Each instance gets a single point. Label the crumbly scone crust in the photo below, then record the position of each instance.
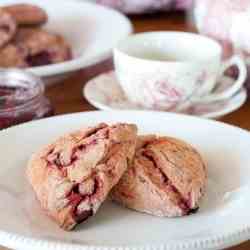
(34, 47)
(167, 178)
(38, 42)
(8, 27)
(73, 176)
(27, 14)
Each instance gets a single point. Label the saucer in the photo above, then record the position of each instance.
(105, 93)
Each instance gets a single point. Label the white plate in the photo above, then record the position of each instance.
(222, 221)
(92, 31)
(105, 93)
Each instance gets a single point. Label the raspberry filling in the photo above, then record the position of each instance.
(5, 28)
(40, 59)
(82, 197)
(182, 202)
(78, 196)
(54, 158)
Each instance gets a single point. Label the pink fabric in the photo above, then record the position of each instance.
(226, 21)
(146, 6)
(217, 19)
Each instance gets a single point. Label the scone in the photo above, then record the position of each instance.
(73, 176)
(8, 27)
(167, 178)
(13, 56)
(34, 47)
(27, 14)
(43, 48)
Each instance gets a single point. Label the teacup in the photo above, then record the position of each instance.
(164, 70)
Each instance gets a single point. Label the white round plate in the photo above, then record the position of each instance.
(91, 30)
(105, 93)
(222, 221)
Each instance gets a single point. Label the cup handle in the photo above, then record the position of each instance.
(239, 82)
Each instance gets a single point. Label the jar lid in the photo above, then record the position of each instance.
(18, 88)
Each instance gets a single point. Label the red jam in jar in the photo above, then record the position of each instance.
(21, 98)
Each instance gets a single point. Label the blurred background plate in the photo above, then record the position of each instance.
(92, 31)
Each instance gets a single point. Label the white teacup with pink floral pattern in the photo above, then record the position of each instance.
(166, 70)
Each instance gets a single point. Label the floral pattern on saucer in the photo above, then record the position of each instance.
(105, 93)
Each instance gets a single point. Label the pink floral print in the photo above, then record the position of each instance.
(160, 95)
(227, 22)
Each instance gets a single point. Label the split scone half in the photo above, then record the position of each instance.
(73, 176)
(166, 178)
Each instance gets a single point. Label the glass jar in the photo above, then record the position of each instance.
(21, 98)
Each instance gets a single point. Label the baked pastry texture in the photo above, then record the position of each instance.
(13, 56)
(27, 14)
(167, 178)
(23, 42)
(73, 176)
(34, 47)
(42, 47)
(8, 27)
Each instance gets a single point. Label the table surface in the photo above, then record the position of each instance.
(66, 96)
